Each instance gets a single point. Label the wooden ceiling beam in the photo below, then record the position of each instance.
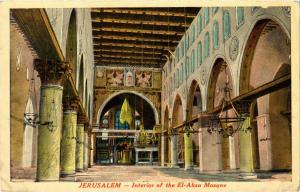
(135, 60)
(129, 55)
(124, 64)
(153, 28)
(146, 43)
(134, 57)
(132, 49)
(115, 37)
(137, 22)
(138, 35)
(153, 11)
(128, 61)
(130, 45)
(116, 51)
(140, 31)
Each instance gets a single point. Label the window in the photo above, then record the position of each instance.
(199, 53)
(199, 24)
(118, 124)
(226, 25)
(187, 67)
(216, 35)
(215, 9)
(187, 41)
(193, 33)
(177, 55)
(206, 44)
(206, 15)
(193, 60)
(178, 77)
(182, 49)
(181, 72)
(240, 15)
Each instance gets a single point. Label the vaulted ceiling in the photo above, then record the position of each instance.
(138, 36)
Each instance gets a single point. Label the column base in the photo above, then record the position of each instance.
(68, 177)
(174, 166)
(188, 168)
(248, 175)
(47, 180)
(80, 170)
(67, 174)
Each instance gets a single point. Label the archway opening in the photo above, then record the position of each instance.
(167, 152)
(229, 145)
(81, 80)
(122, 142)
(267, 58)
(177, 118)
(71, 46)
(194, 107)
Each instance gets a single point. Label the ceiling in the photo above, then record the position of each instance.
(138, 37)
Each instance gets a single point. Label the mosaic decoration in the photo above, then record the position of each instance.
(143, 78)
(234, 48)
(129, 78)
(100, 73)
(115, 78)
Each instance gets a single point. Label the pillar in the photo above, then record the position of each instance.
(163, 146)
(136, 157)
(85, 151)
(79, 147)
(173, 151)
(68, 143)
(50, 118)
(188, 151)
(92, 150)
(265, 156)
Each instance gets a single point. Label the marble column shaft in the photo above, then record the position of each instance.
(79, 147)
(188, 151)
(68, 143)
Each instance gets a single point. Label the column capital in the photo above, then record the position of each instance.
(70, 103)
(51, 71)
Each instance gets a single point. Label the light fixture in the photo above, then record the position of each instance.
(224, 123)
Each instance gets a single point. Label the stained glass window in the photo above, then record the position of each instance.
(216, 35)
(199, 58)
(226, 25)
(193, 60)
(240, 15)
(206, 15)
(206, 44)
(199, 24)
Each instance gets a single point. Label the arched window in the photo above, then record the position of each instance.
(206, 44)
(193, 33)
(193, 60)
(226, 25)
(181, 72)
(178, 77)
(199, 58)
(216, 35)
(215, 10)
(187, 67)
(199, 24)
(187, 40)
(118, 124)
(206, 15)
(182, 49)
(240, 15)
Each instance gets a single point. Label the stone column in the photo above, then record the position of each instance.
(92, 150)
(50, 117)
(68, 142)
(151, 157)
(79, 147)
(188, 151)
(136, 157)
(163, 144)
(174, 151)
(85, 151)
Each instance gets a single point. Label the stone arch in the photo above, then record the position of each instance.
(71, 43)
(177, 118)
(133, 92)
(280, 123)
(212, 83)
(194, 99)
(249, 48)
(28, 135)
(80, 79)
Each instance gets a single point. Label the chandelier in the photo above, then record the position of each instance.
(223, 122)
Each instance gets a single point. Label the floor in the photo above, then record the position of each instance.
(156, 173)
